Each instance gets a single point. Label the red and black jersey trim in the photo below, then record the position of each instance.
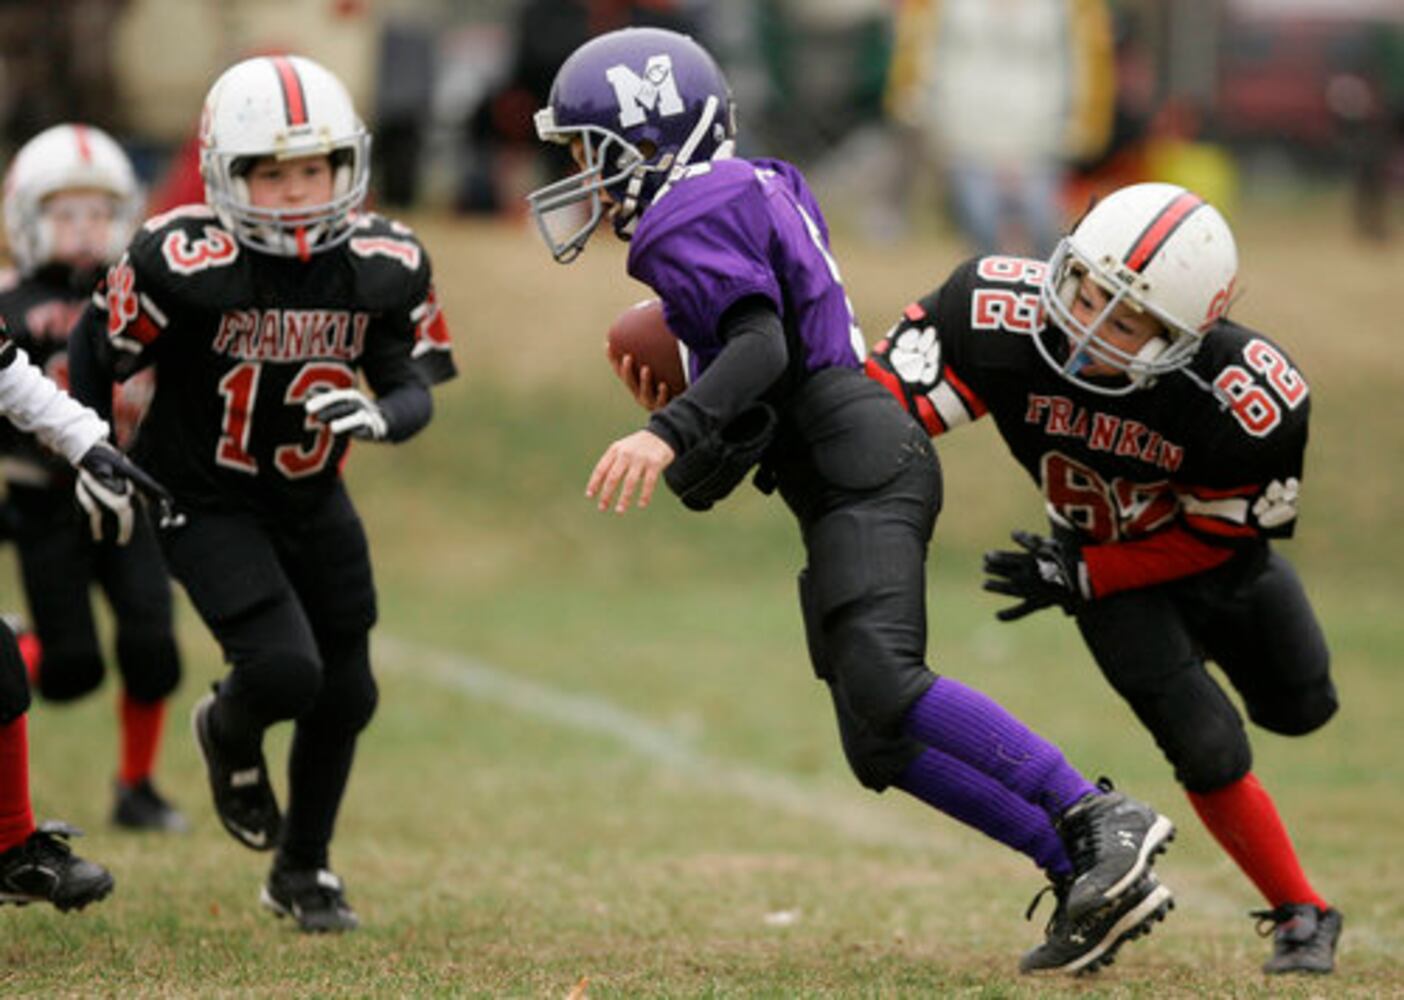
(1159, 229)
(294, 98)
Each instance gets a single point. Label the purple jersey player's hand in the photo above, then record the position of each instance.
(648, 391)
(631, 463)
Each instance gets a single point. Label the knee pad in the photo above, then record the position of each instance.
(1196, 727)
(14, 681)
(68, 674)
(346, 705)
(349, 693)
(1298, 711)
(275, 684)
(150, 665)
(876, 761)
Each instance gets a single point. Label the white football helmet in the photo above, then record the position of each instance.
(1160, 248)
(67, 158)
(285, 107)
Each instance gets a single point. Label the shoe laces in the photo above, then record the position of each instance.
(49, 842)
(1271, 921)
(1059, 890)
(324, 892)
(1084, 837)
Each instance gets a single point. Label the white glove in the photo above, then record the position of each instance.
(348, 411)
(106, 490)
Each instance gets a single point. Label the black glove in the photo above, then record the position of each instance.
(349, 411)
(1044, 574)
(707, 472)
(107, 484)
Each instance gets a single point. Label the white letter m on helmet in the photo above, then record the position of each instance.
(637, 94)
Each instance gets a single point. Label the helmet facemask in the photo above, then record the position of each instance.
(304, 229)
(607, 163)
(1070, 346)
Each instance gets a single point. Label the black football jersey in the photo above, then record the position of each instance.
(240, 340)
(40, 312)
(1216, 449)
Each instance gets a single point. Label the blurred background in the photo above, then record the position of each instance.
(995, 118)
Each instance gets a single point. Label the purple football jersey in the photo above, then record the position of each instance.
(738, 228)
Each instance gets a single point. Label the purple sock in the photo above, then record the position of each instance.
(963, 793)
(974, 728)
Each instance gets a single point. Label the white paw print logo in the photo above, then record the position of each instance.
(1278, 504)
(916, 355)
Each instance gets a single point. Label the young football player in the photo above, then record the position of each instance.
(36, 863)
(71, 204)
(1167, 441)
(738, 252)
(261, 311)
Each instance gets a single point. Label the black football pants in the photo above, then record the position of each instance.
(865, 484)
(59, 563)
(291, 604)
(1251, 616)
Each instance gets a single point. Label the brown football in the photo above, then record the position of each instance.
(642, 332)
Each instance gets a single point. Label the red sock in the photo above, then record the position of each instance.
(16, 813)
(142, 724)
(1244, 821)
(31, 652)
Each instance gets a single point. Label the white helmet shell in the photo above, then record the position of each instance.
(66, 158)
(1160, 248)
(285, 107)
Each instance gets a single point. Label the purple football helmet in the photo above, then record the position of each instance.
(646, 105)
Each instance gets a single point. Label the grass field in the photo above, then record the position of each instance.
(600, 752)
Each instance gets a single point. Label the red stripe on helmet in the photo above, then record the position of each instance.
(1153, 237)
(85, 149)
(294, 102)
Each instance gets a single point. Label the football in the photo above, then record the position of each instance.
(641, 331)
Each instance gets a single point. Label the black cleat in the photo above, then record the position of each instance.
(1090, 943)
(315, 898)
(243, 795)
(1112, 841)
(45, 869)
(141, 807)
(1303, 937)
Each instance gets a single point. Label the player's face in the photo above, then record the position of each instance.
(292, 183)
(80, 224)
(1126, 328)
(577, 153)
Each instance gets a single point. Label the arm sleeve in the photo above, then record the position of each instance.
(754, 357)
(407, 409)
(34, 404)
(1159, 558)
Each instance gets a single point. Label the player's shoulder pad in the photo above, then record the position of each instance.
(1260, 389)
(392, 267)
(186, 254)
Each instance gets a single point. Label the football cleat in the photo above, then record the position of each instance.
(45, 869)
(315, 898)
(243, 795)
(1086, 944)
(141, 807)
(1304, 937)
(1112, 841)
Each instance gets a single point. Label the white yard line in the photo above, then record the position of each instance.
(858, 816)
